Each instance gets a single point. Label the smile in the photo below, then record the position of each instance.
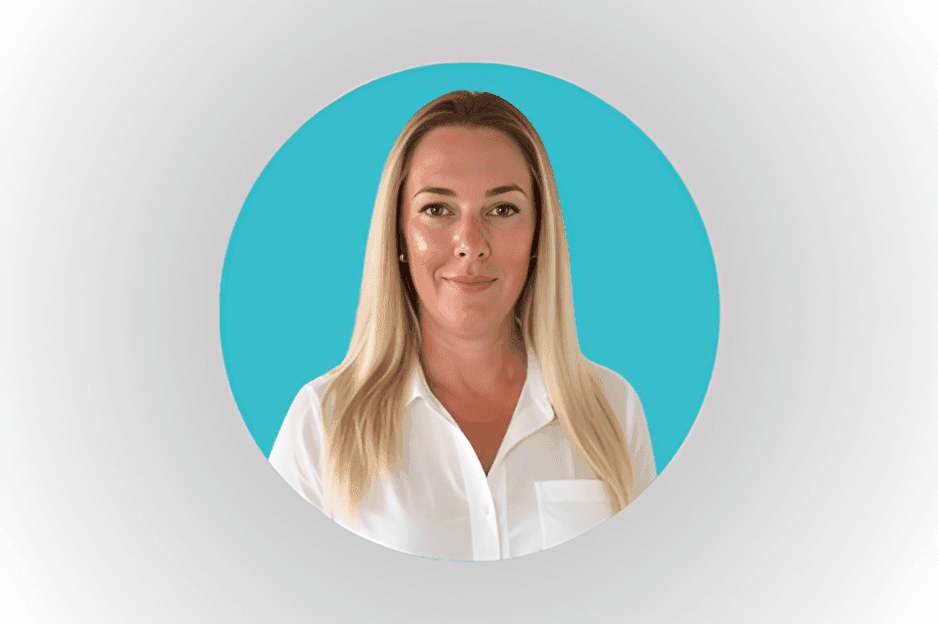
(469, 286)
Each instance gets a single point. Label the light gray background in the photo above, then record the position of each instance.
(131, 489)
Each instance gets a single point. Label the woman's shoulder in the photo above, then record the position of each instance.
(622, 398)
(616, 387)
(315, 390)
(303, 421)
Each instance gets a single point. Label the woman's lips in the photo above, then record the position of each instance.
(472, 285)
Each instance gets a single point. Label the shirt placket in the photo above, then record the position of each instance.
(483, 516)
(498, 486)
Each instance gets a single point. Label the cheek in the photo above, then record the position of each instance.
(427, 254)
(421, 242)
(517, 250)
(429, 245)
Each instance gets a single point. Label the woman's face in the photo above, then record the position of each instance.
(468, 218)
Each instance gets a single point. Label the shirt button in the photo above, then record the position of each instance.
(486, 510)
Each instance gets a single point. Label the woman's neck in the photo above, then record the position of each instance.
(478, 365)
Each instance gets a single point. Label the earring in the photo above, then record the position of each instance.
(404, 260)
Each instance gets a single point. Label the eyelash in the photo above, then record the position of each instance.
(428, 207)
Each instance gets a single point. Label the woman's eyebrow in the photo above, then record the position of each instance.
(436, 190)
(498, 190)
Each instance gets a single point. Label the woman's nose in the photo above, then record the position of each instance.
(470, 239)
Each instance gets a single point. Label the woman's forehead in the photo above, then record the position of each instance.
(456, 154)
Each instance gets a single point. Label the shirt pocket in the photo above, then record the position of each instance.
(570, 507)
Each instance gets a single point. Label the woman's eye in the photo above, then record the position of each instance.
(505, 210)
(434, 210)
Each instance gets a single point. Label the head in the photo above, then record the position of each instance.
(467, 194)
(467, 216)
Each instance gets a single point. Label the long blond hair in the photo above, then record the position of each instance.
(364, 406)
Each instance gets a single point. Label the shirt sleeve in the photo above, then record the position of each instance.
(298, 450)
(628, 408)
(639, 441)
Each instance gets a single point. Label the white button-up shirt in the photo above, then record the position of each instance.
(539, 491)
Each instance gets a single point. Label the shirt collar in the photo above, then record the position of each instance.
(419, 389)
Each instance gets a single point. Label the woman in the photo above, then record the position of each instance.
(464, 423)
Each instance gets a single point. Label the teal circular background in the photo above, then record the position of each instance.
(644, 280)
